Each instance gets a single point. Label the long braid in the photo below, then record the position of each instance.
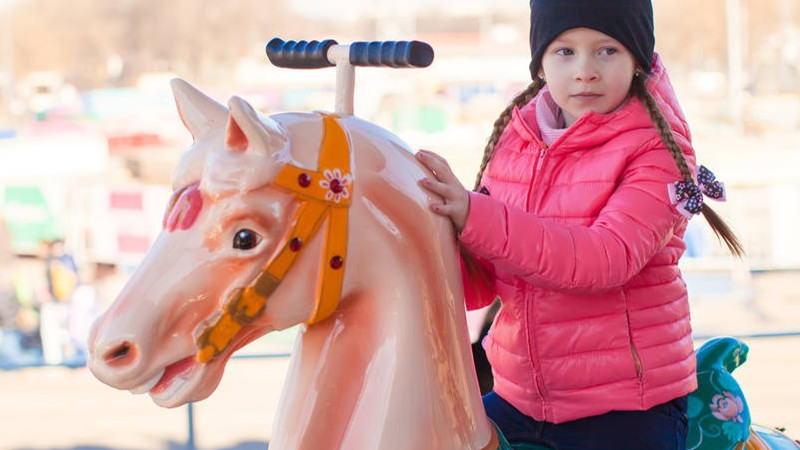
(474, 270)
(718, 225)
(500, 124)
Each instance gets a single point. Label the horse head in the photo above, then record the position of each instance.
(225, 219)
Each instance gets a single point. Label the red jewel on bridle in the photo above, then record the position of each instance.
(295, 244)
(304, 180)
(336, 186)
(337, 262)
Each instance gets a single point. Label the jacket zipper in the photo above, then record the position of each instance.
(536, 171)
(543, 147)
(542, 154)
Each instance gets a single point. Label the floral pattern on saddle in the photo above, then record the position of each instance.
(719, 418)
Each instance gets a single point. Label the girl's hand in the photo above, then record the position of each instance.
(455, 198)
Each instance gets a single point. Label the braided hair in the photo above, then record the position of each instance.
(718, 225)
(500, 124)
(639, 89)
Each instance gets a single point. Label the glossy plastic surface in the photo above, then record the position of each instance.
(390, 368)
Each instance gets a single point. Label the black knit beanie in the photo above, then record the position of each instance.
(628, 21)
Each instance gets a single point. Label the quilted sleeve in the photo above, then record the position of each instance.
(636, 222)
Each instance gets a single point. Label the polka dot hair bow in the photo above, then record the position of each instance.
(687, 196)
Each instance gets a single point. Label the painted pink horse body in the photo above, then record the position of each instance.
(391, 368)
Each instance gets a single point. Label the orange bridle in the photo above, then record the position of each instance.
(324, 197)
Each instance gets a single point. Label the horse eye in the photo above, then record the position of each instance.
(246, 239)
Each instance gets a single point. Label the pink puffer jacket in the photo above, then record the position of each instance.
(582, 245)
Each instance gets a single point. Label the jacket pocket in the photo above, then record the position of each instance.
(637, 361)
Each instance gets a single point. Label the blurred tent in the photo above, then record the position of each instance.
(29, 218)
(37, 164)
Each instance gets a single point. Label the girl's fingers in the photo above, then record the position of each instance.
(448, 192)
(437, 165)
(441, 209)
(437, 187)
(455, 199)
(427, 154)
(455, 212)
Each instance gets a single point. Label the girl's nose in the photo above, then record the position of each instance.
(586, 71)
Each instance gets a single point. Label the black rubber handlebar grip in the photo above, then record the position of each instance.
(299, 54)
(313, 54)
(391, 54)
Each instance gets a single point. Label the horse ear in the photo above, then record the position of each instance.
(247, 131)
(198, 111)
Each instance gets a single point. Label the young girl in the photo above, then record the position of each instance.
(576, 223)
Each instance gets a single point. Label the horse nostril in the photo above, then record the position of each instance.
(121, 355)
(121, 352)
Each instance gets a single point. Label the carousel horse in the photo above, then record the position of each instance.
(313, 219)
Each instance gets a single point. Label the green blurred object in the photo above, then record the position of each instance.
(29, 218)
(432, 119)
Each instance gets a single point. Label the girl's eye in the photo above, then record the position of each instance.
(564, 52)
(608, 51)
(245, 239)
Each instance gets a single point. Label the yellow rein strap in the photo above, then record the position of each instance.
(324, 197)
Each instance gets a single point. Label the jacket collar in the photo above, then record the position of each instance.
(594, 129)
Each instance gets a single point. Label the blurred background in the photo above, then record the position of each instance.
(89, 135)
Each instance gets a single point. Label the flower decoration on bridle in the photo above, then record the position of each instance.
(687, 196)
(337, 185)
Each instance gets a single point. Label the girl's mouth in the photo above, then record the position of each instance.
(586, 97)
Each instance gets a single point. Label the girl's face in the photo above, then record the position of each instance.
(587, 70)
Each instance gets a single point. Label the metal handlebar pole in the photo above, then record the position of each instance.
(190, 439)
(345, 79)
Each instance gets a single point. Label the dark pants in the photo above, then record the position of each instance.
(662, 427)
